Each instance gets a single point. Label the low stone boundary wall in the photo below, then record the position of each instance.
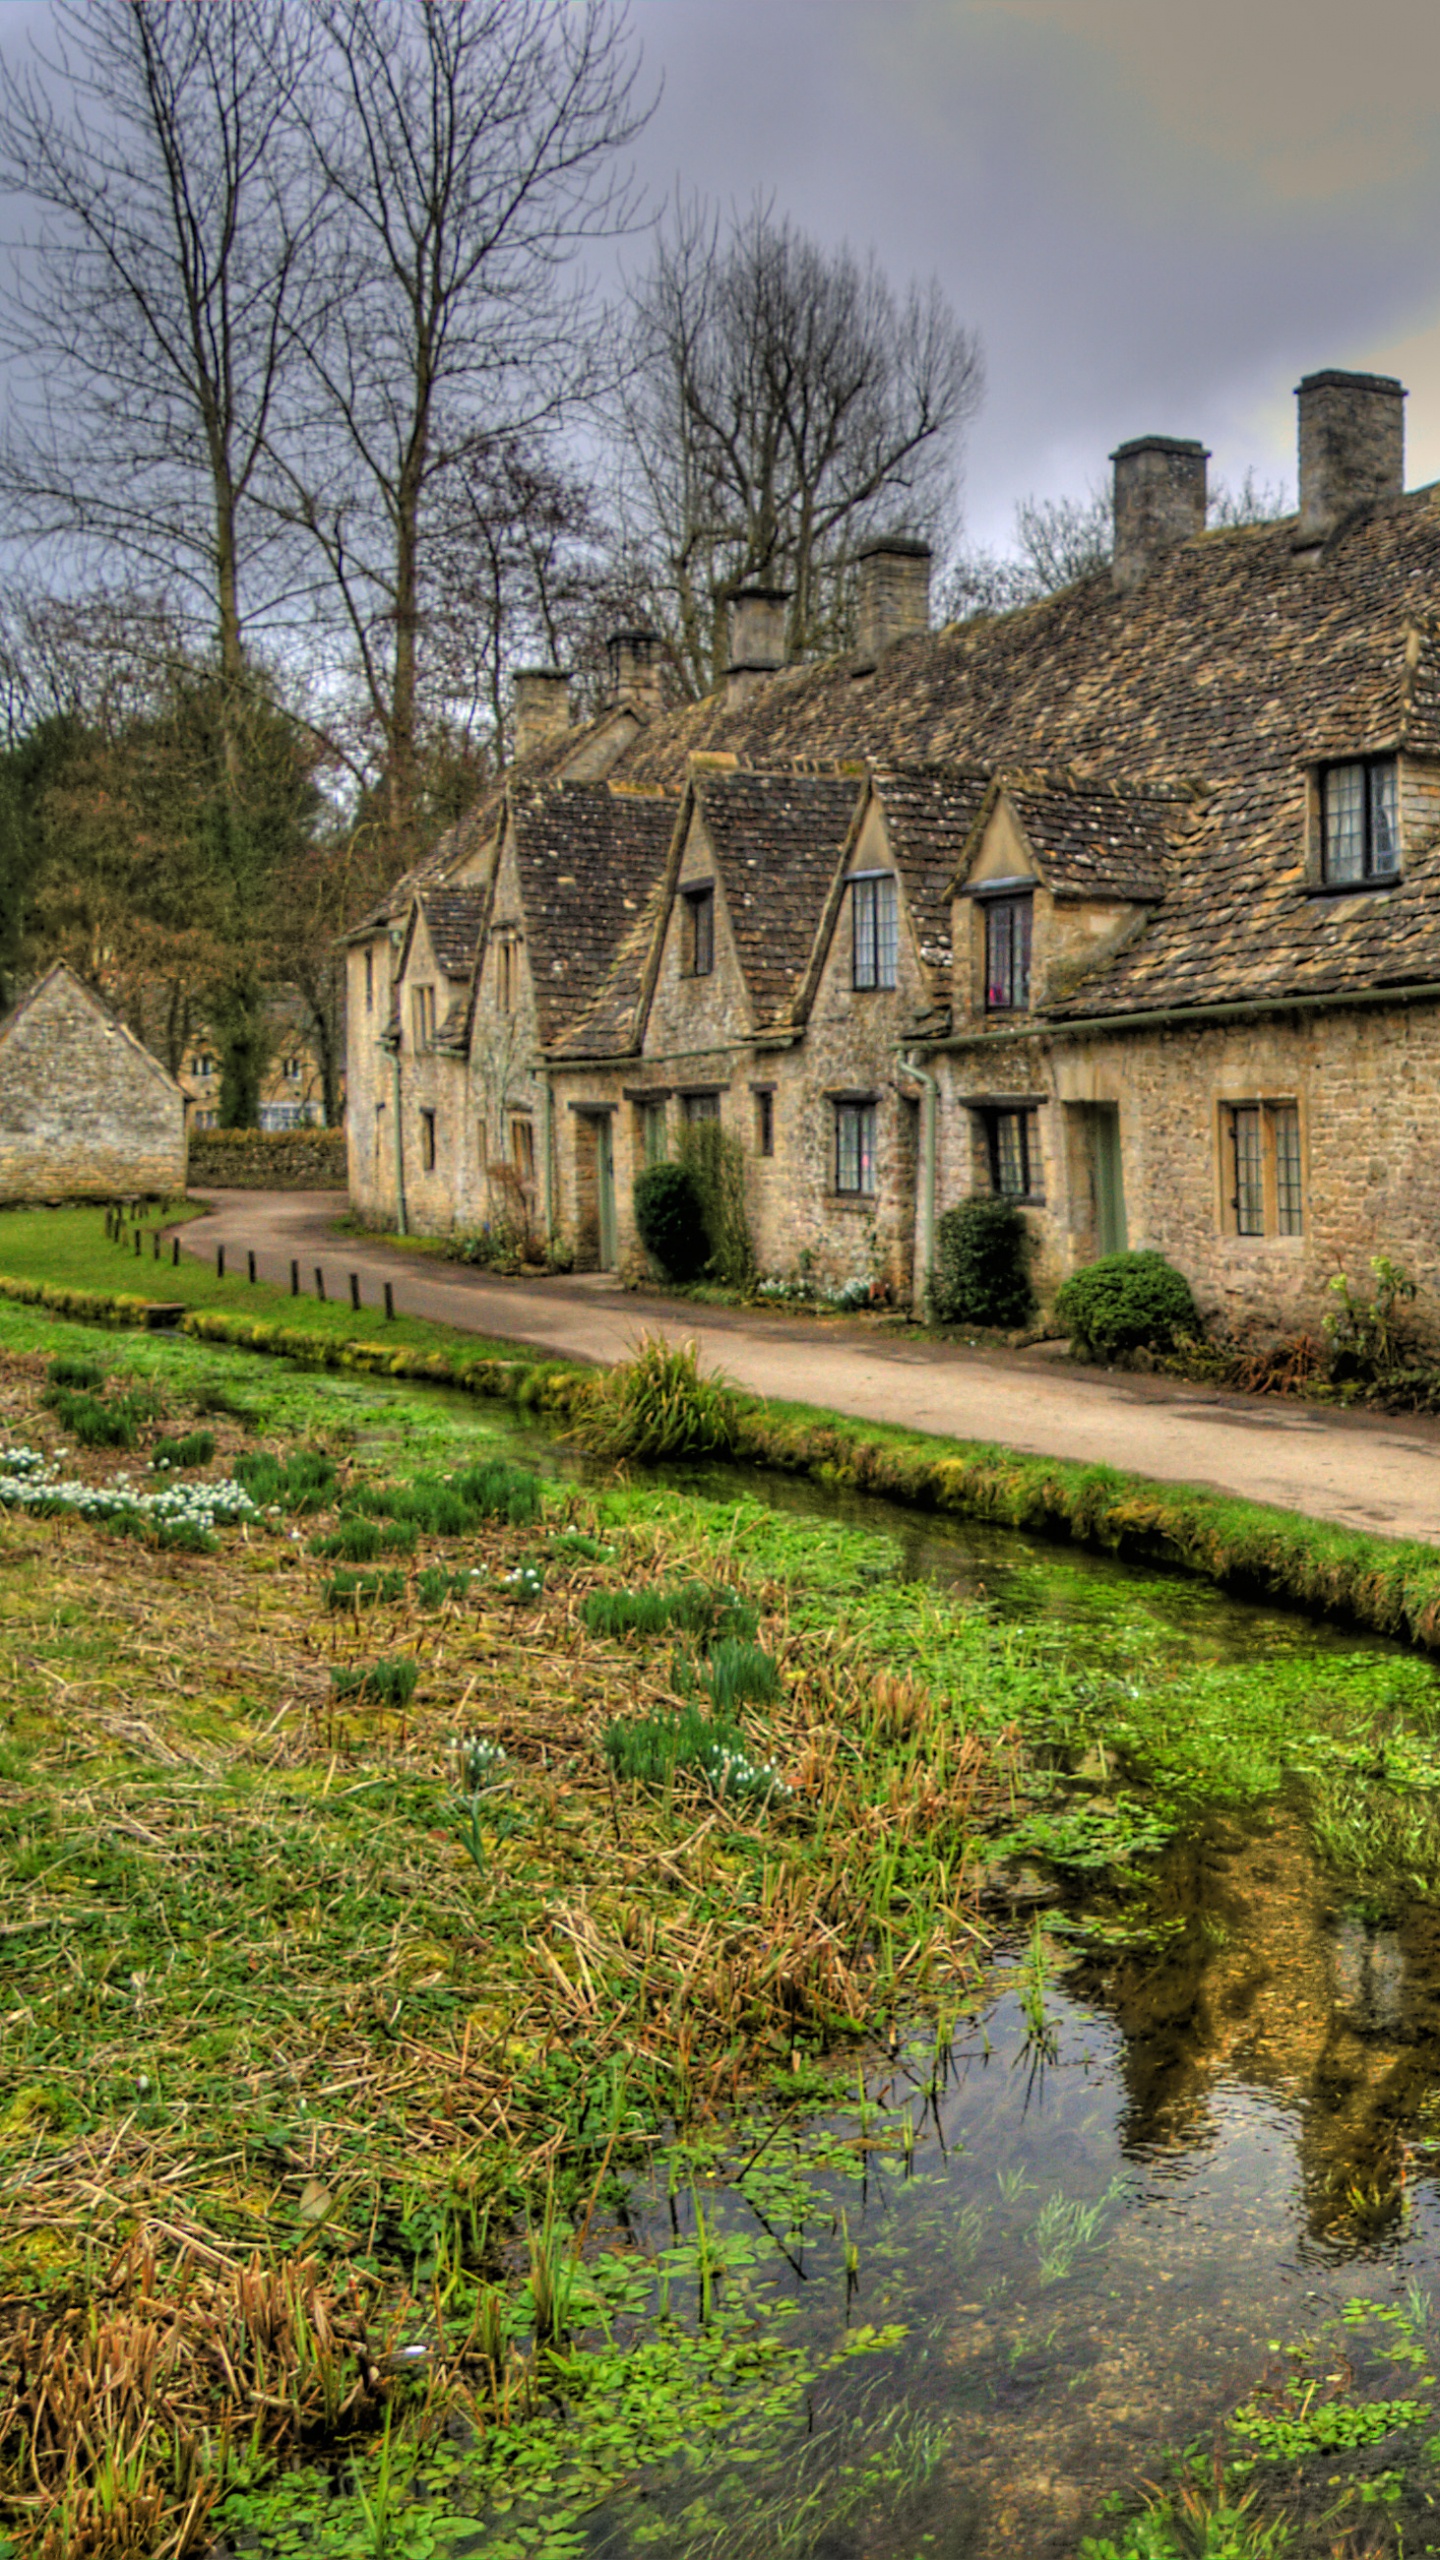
(268, 1159)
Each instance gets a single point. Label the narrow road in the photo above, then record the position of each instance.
(1367, 1471)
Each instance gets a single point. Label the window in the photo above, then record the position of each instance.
(1007, 955)
(1013, 1141)
(292, 1070)
(369, 981)
(699, 960)
(1263, 1143)
(764, 1121)
(650, 1132)
(1360, 820)
(427, 1140)
(522, 1146)
(876, 947)
(699, 1106)
(505, 976)
(855, 1148)
(422, 1008)
(202, 1067)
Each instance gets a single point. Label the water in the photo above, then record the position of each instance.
(1094, 2239)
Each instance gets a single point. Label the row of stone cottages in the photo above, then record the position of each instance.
(1124, 904)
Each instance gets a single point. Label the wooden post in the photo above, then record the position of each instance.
(139, 1240)
(355, 1291)
(219, 1262)
(155, 1242)
(294, 1279)
(175, 1251)
(389, 1303)
(250, 1260)
(319, 1284)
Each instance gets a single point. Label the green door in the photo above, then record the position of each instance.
(605, 1191)
(1107, 1178)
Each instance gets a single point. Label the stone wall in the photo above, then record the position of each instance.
(268, 1160)
(85, 1112)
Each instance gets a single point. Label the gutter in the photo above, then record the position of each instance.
(921, 1286)
(401, 1222)
(1190, 1017)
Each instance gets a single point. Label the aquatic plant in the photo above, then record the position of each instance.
(1064, 2229)
(655, 1405)
(694, 1608)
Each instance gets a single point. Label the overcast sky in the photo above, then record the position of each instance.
(1157, 213)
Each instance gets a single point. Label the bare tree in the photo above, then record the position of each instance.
(466, 147)
(156, 304)
(780, 402)
(1058, 540)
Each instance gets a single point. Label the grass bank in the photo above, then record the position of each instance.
(1390, 1587)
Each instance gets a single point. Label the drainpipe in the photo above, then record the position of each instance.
(547, 1142)
(401, 1223)
(925, 1220)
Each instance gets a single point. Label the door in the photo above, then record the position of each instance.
(1107, 1179)
(605, 1191)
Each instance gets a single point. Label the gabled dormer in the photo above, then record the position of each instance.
(1057, 874)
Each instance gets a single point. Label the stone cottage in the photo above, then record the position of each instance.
(1125, 904)
(85, 1111)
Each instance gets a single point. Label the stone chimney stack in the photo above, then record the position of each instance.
(635, 671)
(542, 707)
(1159, 500)
(1352, 447)
(894, 592)
(757, 638)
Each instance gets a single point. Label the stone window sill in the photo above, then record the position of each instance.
(863, 1200)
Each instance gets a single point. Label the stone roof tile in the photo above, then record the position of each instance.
(777, 838)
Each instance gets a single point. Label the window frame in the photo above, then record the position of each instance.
(862, 1112)
(1014, 904)
(700, 1106)
(1267, 1206)
(1026, 1119)
(1370, 875)
(874, 932)
(698, 957)
(764, 1095)
(429, 1142)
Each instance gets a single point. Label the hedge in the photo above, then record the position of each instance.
(268, 1159)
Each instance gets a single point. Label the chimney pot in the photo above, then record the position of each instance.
(635, 671)
(542, 707)
(1352, 447)
(1160, 499)
(894, 592)
(757, 638)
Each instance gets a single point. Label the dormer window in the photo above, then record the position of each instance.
(1360, 821)
(699, 960)
(876, 946)
(1007, 954)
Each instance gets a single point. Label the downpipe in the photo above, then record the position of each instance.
(921, 1296)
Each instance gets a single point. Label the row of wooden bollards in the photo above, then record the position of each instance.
(115, 1228)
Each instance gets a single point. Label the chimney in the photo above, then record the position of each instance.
(894, 592)
(757, 638)
(542, 707)
(1159, 501)
(1352, 447)
(635, 671)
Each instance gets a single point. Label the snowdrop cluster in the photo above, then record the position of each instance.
(730, 1772)
(482, 1764)
(29, 1481)
(524, 1582)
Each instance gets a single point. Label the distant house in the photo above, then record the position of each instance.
(85, 1111)
(1124, 906)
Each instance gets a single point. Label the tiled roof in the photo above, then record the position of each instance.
(777, 838)
(589, 857)
(929, 817)
(454, 918)
(1100, 840)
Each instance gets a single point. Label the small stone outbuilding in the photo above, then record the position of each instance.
(86, 1113)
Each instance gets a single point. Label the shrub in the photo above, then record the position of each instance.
(671, 1221)
(1125, 1301)
(655, 1406)
(982, 1264)
(715, 1162)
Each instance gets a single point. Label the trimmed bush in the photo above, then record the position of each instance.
(982, 1264)
(671, 1221)
(715, 1161)
(1126, 1302)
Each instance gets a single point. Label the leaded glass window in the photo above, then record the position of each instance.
(855, 1147)
(1360, 805)
(1007, 955)
(876, 932)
